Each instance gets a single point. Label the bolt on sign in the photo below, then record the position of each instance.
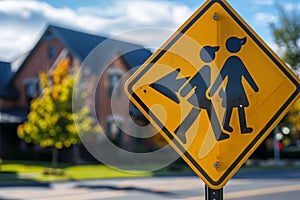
(214, 90)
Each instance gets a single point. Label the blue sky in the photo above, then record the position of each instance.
(22, 21)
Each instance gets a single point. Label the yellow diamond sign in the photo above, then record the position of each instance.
(215, 91)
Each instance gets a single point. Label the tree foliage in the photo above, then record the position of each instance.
(51, 120)
(286, 33)
(293, 116)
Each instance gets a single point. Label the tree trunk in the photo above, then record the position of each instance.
(54, 157)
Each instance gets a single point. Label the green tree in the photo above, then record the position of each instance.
(51, 120)
(286, 33)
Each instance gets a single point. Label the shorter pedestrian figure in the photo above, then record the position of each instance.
(199, 84)
(235, 70)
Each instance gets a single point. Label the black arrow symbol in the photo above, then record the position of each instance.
(169, 85)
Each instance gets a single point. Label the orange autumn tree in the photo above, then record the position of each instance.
(51, 120)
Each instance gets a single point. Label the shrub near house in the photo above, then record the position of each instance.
(51, 120)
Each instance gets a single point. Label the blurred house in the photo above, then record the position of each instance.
(10, 116)
(115, 58)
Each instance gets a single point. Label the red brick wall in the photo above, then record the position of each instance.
(104, 100)
(36, 63)
(103, 96)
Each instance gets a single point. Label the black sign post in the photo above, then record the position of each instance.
(211, 194)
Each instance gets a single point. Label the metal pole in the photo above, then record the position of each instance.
(211, 194)
(275, 147)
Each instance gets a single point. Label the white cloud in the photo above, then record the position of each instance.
(291, 6)
(264, 2)
(123, 15)
(23, 20)
(264, 18)
(275, 48)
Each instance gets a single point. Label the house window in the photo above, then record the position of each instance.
(114, 78)
(51, 52)
(31, 88)
(113, 130)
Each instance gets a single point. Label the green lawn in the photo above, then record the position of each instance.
(20, 171)
(35, 171)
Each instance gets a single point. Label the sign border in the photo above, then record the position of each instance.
(265, 49)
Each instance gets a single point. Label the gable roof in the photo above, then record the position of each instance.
(81, 44)
(6, 89)
(78, 43)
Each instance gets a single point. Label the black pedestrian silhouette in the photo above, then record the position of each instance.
(234, 69)
(199, 84)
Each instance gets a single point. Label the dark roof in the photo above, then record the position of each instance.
(6, 89)
(136, 57)
(81, 44)
(77, 42)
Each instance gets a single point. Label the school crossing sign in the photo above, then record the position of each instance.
(215, 91)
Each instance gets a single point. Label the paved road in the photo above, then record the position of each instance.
(265, 185)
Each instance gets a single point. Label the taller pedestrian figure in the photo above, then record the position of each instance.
(236, 97)
(198, 86)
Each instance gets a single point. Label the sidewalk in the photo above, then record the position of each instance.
(272, 162)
